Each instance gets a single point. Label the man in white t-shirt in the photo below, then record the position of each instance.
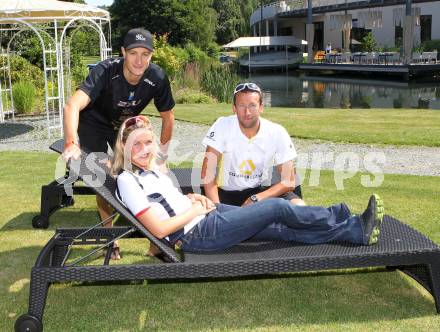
(241, 150)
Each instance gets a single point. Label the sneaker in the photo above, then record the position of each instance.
(372, 219)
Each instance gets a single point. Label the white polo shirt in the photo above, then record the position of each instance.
(246, 163)
(140, 192)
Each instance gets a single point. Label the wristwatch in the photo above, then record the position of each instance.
(254, 198)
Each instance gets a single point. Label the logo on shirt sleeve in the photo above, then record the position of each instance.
(211, 136)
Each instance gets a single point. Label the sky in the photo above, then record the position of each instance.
(99, 2)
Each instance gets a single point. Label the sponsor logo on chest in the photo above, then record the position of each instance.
(146, 80)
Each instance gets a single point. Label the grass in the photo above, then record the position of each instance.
(90, 59)
(373, 126)
(351, 300)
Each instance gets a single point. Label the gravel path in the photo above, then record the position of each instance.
(30, 134)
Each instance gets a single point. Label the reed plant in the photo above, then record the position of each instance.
(219, 81)
(23, 94)
(188, 77)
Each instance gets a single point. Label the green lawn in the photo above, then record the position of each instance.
(372, 126)
(367, 300)
(90, 59)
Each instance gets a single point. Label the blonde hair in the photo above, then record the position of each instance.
(122, 152)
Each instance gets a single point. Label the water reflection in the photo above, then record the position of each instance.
(334, 92)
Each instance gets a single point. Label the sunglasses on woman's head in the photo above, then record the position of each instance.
(247, 86)
(134, 121)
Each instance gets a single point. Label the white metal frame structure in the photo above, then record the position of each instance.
(54, 23)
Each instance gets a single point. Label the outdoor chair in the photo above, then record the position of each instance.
(434, 56)
(428, 57)
(345, 57)
(395, 58)
(371, 58)
(357, 57)
(399, 248)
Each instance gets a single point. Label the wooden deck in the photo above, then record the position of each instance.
(406, 71)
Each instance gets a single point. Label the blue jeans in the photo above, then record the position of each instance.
(273, 219)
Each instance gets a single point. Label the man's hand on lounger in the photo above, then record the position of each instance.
(71, 150)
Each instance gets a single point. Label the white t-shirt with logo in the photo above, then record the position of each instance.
(137, 192)
(246, 163)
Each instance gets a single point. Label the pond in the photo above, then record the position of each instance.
(286, 90)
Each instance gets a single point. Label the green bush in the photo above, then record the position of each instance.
(182, 55)
(85, 41)
(191, 70)
(213, 50)
(23, 70)
(28, 45)
(369, 43)
(78, 70)
(387, 48)
(190, 96)
(431, 45)
(24, 94)
(165, 56)
(196, 54)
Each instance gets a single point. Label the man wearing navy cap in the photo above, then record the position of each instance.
(115, 90)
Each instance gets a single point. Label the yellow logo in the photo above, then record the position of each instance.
(247, 167)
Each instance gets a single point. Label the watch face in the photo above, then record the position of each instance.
(254, 198)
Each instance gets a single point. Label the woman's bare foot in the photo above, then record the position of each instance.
(153, 250)
(116, 251)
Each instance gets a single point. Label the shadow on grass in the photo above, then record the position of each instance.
(9, 130)
(290, 300)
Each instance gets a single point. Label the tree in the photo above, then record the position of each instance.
(247, 7)
(199, 21)
(368, 43)
(229, 20)
(85, 41)
(183, 20)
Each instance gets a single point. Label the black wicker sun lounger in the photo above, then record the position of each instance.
(400, 247)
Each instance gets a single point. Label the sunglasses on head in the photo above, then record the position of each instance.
(139, 121)
(247, 86)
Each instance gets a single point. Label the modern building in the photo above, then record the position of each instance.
(344, 23)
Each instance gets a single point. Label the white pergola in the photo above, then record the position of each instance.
(49, 20)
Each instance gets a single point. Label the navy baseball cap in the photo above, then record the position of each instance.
(138, 37)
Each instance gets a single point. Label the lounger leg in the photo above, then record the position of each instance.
(53, 197)
(32, 321)
(428, 276)
(435, 277)
(38, 294)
